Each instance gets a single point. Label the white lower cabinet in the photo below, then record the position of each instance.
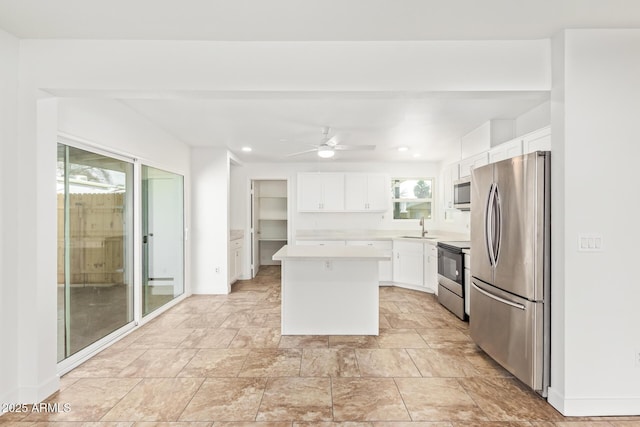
(408, 263)
(385, 267)
(235, 260)
(431, 267)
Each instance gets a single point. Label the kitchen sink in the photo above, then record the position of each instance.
(418, 237)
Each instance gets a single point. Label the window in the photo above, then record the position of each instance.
(412, 198)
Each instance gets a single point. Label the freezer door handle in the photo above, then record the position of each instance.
(497, 298)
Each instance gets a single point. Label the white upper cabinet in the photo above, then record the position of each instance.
(320, 192)
(473, 162)
(539, 140)
(506, 150)
(449, 176)
(366, 192)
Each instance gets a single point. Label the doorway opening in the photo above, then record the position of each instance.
(269, 221)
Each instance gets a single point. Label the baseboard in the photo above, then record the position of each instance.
(36, 394)
(9, 397)
(555, 399)
(412, 287)
(594, 406)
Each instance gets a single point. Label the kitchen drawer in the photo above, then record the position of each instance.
(402, 246)
(235, 244)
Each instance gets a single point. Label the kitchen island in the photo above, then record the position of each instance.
(328, 290)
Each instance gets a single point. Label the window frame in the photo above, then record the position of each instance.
(395, 200)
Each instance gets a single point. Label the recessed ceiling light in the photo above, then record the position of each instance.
(403, 148)
(416, 155)
(246, 149)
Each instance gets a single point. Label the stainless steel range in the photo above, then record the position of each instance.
(451, 276)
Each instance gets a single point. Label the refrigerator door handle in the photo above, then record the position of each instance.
(488, 225)
(497, 224)
(497, 298)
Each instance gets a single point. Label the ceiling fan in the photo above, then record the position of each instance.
(328, 146)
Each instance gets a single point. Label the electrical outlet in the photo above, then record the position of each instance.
(217, 269)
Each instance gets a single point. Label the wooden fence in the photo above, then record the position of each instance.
(96, 226)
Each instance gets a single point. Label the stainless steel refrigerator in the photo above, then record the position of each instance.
(510, 265)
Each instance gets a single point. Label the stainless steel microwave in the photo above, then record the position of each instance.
(462, 194)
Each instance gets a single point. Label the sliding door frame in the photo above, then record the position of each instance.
(86, 353)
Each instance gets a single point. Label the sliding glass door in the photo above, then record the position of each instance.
(95, 247)
(96, 256)
(162, 237)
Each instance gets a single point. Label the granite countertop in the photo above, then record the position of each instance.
(345, 253)
(236, 234)
(432, 237)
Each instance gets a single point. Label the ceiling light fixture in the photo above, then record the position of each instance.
(403, 148)
(416, 155)
(325, 152)
(247, 149)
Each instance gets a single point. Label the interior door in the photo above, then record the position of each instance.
(481, 185)
(516, 264)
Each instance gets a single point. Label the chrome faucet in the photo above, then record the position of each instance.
(424, 232)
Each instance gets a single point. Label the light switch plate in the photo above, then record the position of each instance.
(590, 242)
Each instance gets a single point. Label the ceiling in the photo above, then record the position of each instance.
(311, 20)
(277, 124)
(429, 125)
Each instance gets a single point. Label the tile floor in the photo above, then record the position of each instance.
(220, 360)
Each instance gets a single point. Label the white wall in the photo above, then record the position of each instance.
(113, 125)
(142, 66)
(210, 168)
(104, 122)
(534, 119)
(8, 217)
(597, 161)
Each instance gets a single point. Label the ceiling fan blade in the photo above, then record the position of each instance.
(354, 147)
(302, 152)
(333, 141)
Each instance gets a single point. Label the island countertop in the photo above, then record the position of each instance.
(330, 253)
